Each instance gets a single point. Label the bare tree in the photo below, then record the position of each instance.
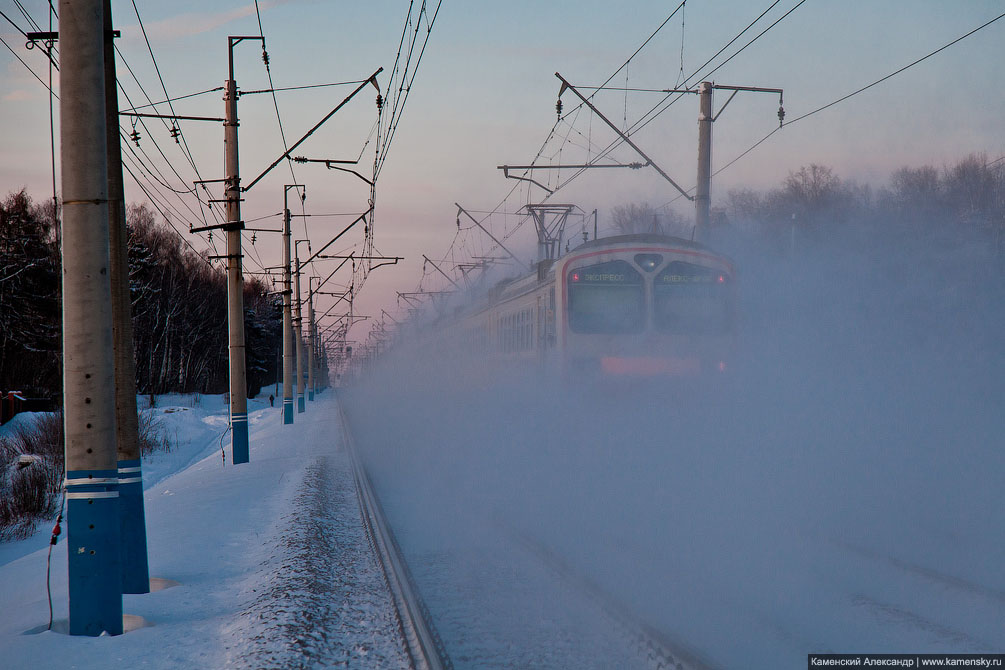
(636, 218)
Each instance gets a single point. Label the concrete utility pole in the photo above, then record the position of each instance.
(702, 192)
(310, 345)
(135, 567)
(702, 197)
(235, 275)
(298, 329)
(92, 483)
(289, 359)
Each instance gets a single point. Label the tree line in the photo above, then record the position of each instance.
(179, 308)
(814, 201)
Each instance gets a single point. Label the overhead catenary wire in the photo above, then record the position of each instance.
(40, 80)
(181, 135)
(279, 118)
(29, 40)
(860, 90)
(175, 99)
(165, 216)
(299, 88)
(52, 120)
(153, 138)
(403, 90)
(153, 188)
(613, 145)
(664, 104)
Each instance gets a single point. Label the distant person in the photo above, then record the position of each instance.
(272, 400)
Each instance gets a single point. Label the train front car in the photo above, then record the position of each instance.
(645, 305)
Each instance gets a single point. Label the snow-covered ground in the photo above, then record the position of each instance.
(263, 565)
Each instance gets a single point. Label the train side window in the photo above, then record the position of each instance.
(606, 298)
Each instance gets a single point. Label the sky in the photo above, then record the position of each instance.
(484, 95)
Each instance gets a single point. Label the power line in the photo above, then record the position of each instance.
(643, 45)
(298, 88)
(176, 129)
(24, 12)
(23, 33)
(893, 74)
(649, 116)
(399, 99)
(175, 99)
(167, 219)
(279, 118)
(27, 66)
(860, 90)
(163, 121)
(613, 145)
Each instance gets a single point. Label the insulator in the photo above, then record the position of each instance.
(380, 101)
(135, 137)
(781, 115)
(254, 238)
(265, 57)
(558, 107)
(175, 132)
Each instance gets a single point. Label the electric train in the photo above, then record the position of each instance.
(629, 305)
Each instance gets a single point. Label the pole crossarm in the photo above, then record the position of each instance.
(461, 210)
(333, 165)
(332, 273)
(371, 80)
(229, 225)
(751, 89)
(507, 175)
(173, 117)
(341, 297)
(361, 217)
(437, 267)
(622, 135)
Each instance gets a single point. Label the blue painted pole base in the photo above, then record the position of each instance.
(239, 445)
(135, 568)
(310, 396)
(301, 406)
(94, 561)
(287, 410)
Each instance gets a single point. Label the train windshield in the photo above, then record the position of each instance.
(606, 298)
(690, 298)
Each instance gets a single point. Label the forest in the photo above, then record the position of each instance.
(179, 308)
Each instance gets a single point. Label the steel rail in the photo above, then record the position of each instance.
(423, 644)
(659, 649)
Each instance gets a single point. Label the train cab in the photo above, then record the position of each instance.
(644, 305)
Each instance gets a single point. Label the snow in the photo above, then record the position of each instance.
(839, 491)
(261, 565)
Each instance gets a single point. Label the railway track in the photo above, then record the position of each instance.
(657, 649)
(423, 644)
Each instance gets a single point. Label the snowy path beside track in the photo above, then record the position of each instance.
(271, 560)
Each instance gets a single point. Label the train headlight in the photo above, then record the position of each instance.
(648, 262)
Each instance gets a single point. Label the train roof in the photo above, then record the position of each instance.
(642, 238)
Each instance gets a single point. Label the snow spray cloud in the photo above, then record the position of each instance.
(861, 424)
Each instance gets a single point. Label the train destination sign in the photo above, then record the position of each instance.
(686, 273)
(615, 272)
